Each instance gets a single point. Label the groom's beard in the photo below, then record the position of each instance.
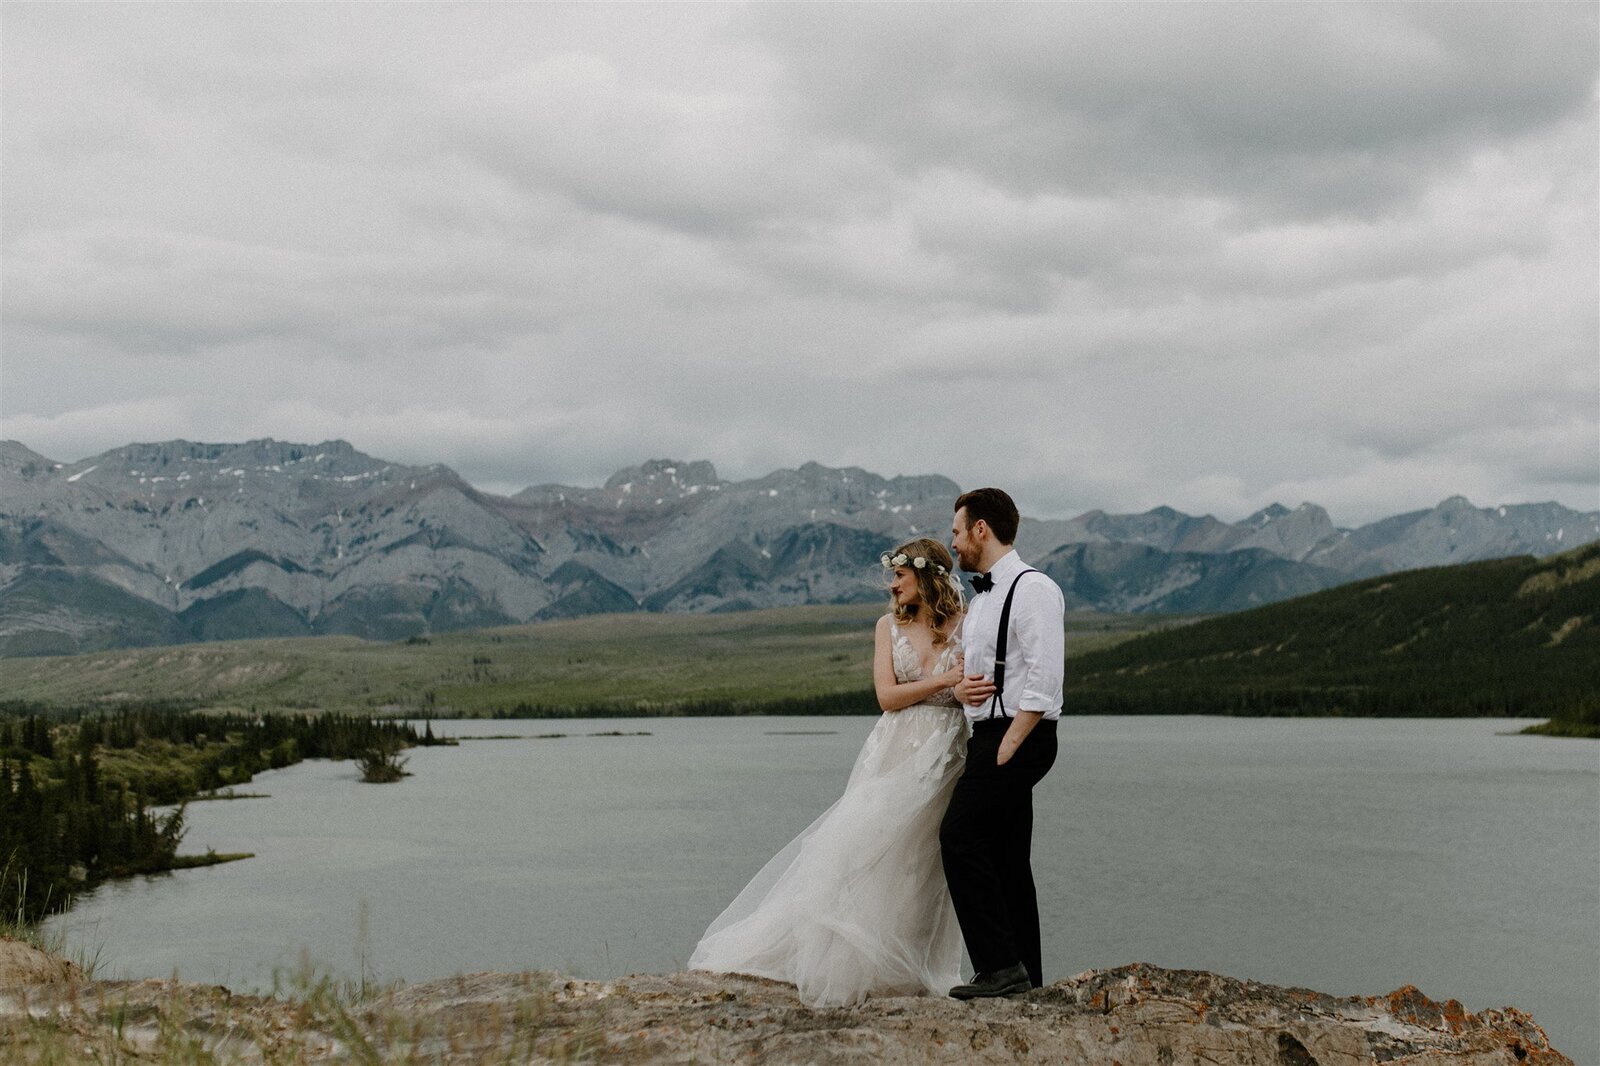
(969, 562)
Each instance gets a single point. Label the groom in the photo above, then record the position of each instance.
(987, 834)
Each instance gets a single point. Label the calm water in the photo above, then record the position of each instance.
(1349, 856)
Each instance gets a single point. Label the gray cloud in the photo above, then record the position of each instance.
(1314, 108)
(1111, 255)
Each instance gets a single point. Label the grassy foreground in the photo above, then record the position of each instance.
(806, 659)
(1136, 1013)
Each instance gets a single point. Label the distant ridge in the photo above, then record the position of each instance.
(1508, 637)
(164, 542)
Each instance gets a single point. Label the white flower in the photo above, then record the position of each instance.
(921, 562)
(900, 560)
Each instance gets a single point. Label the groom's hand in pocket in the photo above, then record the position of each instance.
(1022, 724)
(974, 689)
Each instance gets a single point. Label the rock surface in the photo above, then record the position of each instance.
(1136, 1015)
(24, 964)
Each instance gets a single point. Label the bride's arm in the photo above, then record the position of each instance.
(895, 695)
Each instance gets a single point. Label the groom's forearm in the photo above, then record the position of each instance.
(1016, 733)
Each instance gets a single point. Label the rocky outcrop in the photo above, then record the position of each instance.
(1134, 1015)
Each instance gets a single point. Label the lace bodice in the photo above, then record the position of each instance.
(908, 666)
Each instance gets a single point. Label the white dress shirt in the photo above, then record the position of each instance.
(1034, 648)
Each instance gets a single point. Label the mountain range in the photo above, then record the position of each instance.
(179, 541)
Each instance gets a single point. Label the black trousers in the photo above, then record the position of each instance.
(986, 841)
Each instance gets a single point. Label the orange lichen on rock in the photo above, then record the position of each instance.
(1408, 1004)
(1455, 1015)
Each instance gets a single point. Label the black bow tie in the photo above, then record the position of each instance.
(982, 583)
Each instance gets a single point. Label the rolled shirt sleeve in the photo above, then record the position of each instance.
(1034, 658)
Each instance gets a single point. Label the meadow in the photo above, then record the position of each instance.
(801, 659)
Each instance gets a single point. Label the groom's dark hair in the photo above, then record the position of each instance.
(995, 508)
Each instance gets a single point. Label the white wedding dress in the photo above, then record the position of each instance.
(857, 902)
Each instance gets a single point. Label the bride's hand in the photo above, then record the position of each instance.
(952, 677)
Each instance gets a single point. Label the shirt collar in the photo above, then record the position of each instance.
(1007, 567)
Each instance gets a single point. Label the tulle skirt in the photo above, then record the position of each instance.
(857, 903)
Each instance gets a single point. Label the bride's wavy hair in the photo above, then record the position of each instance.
(937, 589)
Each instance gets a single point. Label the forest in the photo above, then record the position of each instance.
(1506, 638)
(79, 788)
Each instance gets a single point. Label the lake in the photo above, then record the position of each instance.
(1352, 856)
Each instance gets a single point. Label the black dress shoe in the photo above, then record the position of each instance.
(1007, 982)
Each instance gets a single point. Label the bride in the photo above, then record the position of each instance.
(857, 902)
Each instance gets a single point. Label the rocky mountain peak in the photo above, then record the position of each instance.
(666, 473)
(1270, 513)
(1161, 527)
(1309, 514)
(17, 458)
(918, 487)
(169, 458)
(814, 473)
(266, 468)
(826, 490)
(1291, 534)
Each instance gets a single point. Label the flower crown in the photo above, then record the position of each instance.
(921, 562)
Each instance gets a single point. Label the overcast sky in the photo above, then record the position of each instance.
(1114, 256)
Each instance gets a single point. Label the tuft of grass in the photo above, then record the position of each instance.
(16, 926)
(314, 1018)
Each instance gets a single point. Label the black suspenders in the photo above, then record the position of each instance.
(1000, 648)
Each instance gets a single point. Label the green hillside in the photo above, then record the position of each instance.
(796, 659)
(1514, 637)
